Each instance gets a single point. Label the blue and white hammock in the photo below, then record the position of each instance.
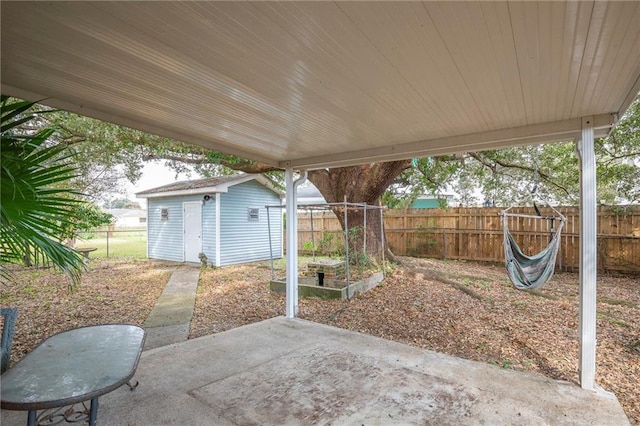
(531, 272)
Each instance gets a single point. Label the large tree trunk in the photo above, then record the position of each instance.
(360, 184)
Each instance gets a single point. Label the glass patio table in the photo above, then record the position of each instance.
(72, 367)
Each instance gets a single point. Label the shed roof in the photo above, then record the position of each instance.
(319, 84)
(209, 185)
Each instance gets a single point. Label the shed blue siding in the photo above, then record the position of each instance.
(165, 238)
(242, 240)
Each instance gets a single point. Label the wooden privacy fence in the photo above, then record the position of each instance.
(476, 234)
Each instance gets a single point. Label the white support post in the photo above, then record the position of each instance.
(588, 255)
(292, 241)
(292, 245)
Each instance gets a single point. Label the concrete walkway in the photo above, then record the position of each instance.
(170, 318)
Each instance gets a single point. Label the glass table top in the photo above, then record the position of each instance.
(73, 366)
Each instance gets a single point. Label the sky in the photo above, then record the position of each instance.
(154, 174)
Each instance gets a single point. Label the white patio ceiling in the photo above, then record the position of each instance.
(315, 84)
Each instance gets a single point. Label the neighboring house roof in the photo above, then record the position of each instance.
(436, 197)
(309, 195)
(206, 186)
(120, 213)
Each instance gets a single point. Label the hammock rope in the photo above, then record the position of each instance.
(531, 272)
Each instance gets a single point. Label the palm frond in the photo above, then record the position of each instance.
(35, 208)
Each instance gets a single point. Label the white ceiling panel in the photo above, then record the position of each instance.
(316, 84)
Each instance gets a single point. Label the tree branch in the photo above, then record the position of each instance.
(614, 158)
(242, 165)
(544, 176)
(72, 140)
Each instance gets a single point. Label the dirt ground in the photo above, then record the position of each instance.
(463, 309)
(460, 308)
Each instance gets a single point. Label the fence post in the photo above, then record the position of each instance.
(382, 240)
(444, 243)
(364, 231)
(313, 240)
(346, 246)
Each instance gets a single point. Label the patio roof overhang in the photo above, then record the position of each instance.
(304, 85)
(319, 84)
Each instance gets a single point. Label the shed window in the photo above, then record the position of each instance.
(253, 215)
(164, 214)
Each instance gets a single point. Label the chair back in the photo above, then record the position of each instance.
(8, 328)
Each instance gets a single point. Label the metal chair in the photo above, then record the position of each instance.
(9, 323)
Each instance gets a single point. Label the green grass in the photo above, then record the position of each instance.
(122, 244)
(618, 302)
(612, 319)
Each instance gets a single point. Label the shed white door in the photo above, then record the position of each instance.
(192, 219)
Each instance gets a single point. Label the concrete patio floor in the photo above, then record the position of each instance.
(295, 372)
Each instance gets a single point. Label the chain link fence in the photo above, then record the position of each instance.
(114, 242)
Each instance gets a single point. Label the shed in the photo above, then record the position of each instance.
(223, 217)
